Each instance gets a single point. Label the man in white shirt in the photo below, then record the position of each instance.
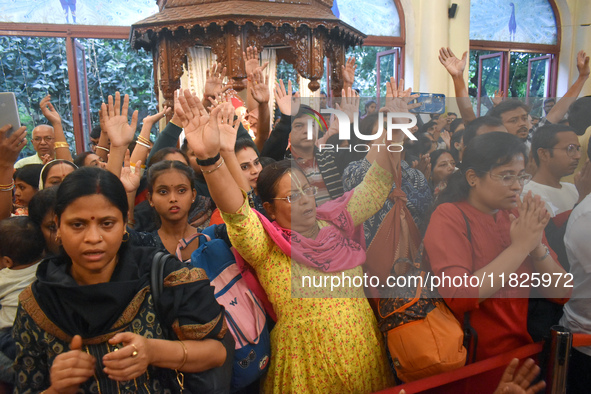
(577, 311)
(43, 143)
(556, 151)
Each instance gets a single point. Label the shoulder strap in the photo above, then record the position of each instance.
(157, 285)
(468, 230)
(470, 334)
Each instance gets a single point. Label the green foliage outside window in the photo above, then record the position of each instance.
(32, 67)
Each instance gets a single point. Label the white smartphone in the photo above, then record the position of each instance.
(9, 112)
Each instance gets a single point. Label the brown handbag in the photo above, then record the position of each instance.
(423, 336)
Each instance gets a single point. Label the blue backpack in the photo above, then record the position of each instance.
(245, 315)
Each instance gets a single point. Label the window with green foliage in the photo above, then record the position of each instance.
(112, 66)
(32, 67)
(516, 84)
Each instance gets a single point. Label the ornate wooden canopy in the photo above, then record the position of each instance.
(304, 31)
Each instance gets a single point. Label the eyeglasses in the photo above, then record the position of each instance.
(508, 180)
(308, 191)
(46, 139)
(571, 150)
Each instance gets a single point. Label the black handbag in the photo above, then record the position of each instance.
(213, 381)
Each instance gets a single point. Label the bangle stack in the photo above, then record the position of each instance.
(145, 142)
(62, 145)
(103, 148)
(7, 188)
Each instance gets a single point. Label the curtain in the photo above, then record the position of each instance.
(199, 59)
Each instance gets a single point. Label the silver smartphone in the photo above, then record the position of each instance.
(9, 112)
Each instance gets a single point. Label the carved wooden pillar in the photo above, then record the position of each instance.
(171, 57)
(336, 56)
(308, 50)
(316, 60)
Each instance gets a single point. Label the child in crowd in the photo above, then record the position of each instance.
(21, 249)
(26, 185)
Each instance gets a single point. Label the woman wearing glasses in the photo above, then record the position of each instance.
(324, 341)
(483, 234)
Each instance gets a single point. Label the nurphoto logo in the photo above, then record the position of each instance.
(345, 129)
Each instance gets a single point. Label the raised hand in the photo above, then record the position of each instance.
(454, 66)
(214, 80)
(498, 97)
(130, 175)
(520, 383)
(69, 370)
(46, 159)
(114, 121)
(397, 99)
(446, 137)
(251, 59)
(583, 64)
(202, 138)
(283, 98)
(260, 85)
(150, 120)
(11, 146)
(349, 71)
(130, 361)
(423, 165)
(49, 111)
(227, 126)
(349, 103)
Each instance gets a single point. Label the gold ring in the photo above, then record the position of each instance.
(135, 352)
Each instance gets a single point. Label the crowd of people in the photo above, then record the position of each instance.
(491, 196)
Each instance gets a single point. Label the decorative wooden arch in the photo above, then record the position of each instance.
(228, 27)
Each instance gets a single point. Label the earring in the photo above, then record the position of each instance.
(58, 238)
(125, 236)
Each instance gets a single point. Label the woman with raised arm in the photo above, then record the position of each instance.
(324, 344)
(10, 147)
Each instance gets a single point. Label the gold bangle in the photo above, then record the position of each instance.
(62, 145)
(185, 354)
(215, 169)
(103, 148)
(144, 140)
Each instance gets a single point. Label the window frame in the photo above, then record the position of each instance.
(508, 46)
(70, 33)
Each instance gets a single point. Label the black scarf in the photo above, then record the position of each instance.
(91, 310)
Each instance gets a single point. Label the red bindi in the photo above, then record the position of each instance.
(92, 218)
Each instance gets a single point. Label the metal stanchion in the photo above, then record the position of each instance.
(560, 348)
